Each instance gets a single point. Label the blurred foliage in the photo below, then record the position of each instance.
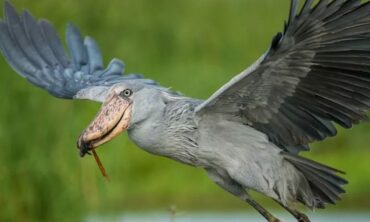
(194, 46)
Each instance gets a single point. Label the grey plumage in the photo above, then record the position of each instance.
(35, 51)
(315, 73)
(249, 133)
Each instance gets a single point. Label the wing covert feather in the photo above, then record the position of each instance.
(316, 73)
(35, 51)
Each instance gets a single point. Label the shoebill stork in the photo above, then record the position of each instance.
(249, 134)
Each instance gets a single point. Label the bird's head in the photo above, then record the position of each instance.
(124, 106)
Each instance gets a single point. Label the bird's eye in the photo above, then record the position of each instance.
(126, 93)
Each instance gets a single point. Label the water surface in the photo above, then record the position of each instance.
(230, 217)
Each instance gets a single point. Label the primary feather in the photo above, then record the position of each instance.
(316, 73)
(35, 51)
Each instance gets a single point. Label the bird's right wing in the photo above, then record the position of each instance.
(316, 72)
(35, 51)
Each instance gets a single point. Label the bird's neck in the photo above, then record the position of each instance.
(171, 133)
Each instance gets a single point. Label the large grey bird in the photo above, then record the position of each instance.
(248, 134)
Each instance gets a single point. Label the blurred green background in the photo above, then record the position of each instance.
(193, 46)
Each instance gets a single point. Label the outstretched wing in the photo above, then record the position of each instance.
(35, 51)
(315, 74)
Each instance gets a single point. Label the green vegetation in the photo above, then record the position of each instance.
(194, 46)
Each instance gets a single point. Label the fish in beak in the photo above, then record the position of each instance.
(112, 119)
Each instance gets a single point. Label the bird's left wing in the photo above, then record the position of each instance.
(316, 73)
(35, 51)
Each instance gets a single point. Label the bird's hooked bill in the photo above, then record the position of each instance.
(112, 119)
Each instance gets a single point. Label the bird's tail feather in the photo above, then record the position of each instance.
(325, 184)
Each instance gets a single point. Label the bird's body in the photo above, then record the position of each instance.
(226, 149)
(249, 134)
(242, 153)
